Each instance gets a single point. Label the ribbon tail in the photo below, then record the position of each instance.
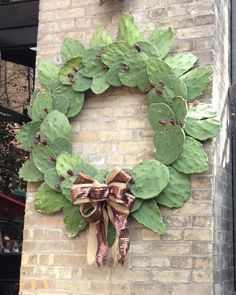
(92, 244)
(114, 248)
(102, 244)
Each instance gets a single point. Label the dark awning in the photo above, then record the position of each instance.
(8, 115)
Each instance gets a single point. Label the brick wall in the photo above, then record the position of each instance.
(113, 130)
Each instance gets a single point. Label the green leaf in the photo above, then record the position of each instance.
(81, 83)
(150, 178)
(66, 187)
(202, 129)
(201, 111)
(177, 191)
(41, 105)
(48, 201)
(149, 215)
(48, 74)
(29, 172)
(99, 84)
(60, 102)
(26, 134)
(193, 159)
(111, 234)
(112, 76)
(137, 205)
(71, 49)
(113, 53)
(55, 125)
(52, 179)
(128, 31)
(92, 54)
(197, 81)
(61, 144)
(100, 175)
(163, 40)
(67, 72)
(65, 162)
(100, 38)
(42, 157)
(181, 62)
(73, 220)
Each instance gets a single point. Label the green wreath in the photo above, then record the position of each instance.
(171, 84)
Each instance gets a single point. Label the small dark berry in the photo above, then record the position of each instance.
(46, 110)
(180, 124)
(162, 122)
(172, 121)
(70, 75)
(106, 68)
(126, 68)
(146, 91)
(62, 177)
(72, 81)
(75, 69)
(36, 141)
(161, 83)
(53, 159)
(44, 141)
(159, 92)
(153, 85)
(137, 47)
(57, 186)
(70, 172)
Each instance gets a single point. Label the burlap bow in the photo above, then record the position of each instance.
(100, 202)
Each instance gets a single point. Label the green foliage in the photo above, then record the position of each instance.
(41, 105)
(181, 62)
(202, 129)
(160, 115)
(48, 74)
(197, 81)
(128, 31)
(29, 172)
(180, 109)
(55, 125)
(169, 143)
(177, 191)
(99, 83)
(149, 215)
(27, 133)
(150, 178)
(71, 49)
(193, 159)
(61, 144)
(47, 201)
(52, 179)
(73, 220)
(67, 162)
(43, 157)
(67, 72)
(201, 111)
(163, 39)
(113, 53)
(100, 38)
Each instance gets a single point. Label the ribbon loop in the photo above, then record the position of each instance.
(100, 203)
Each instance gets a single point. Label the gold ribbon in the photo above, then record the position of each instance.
(99, 203)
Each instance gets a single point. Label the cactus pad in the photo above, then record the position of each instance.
(48, 74)
(128, 31)
(155, 96)
(55, 125)
(202, 129)
(67, 162)
(197, 81)
(201, 111)
(193, 159)
(52, 179)
(67, 72)
(48, 201)
(73, 220)
(61, 144)
(180, 108)
(162, 39)
(71, 49)
(100, 38)
(168, 142)
(150, 178)
(149, 215)
(41, 105)
(137, 205)
(181, 62)
(27, 133)
(43, 157)
(160, 115)
(113, 53)
(177, 191)
(81, 83)
(29, 172)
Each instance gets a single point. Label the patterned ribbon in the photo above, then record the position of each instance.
(99, 203)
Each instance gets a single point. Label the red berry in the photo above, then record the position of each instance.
(62, 177)
(146, 91)
(75, 69)
(172, 121)
(53, 159)
(46, 110)
(126, 68)
(162, 122)
(36, 141)
(159, 92)
(44, 141)
(70, 172)
(137, 47)
(153, 85)
(70, 75)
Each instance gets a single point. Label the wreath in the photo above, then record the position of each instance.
(101, 198)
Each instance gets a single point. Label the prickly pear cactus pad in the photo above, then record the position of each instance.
(102, 199)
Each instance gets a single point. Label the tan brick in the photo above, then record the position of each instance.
(167, 276)
(198, 32)
(176, 10)
(196, 234)
(203, 263)
(69, 13)
(193, 289)
(204, 19)
(202, 276)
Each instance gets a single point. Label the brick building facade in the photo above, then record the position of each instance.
(195, 257)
